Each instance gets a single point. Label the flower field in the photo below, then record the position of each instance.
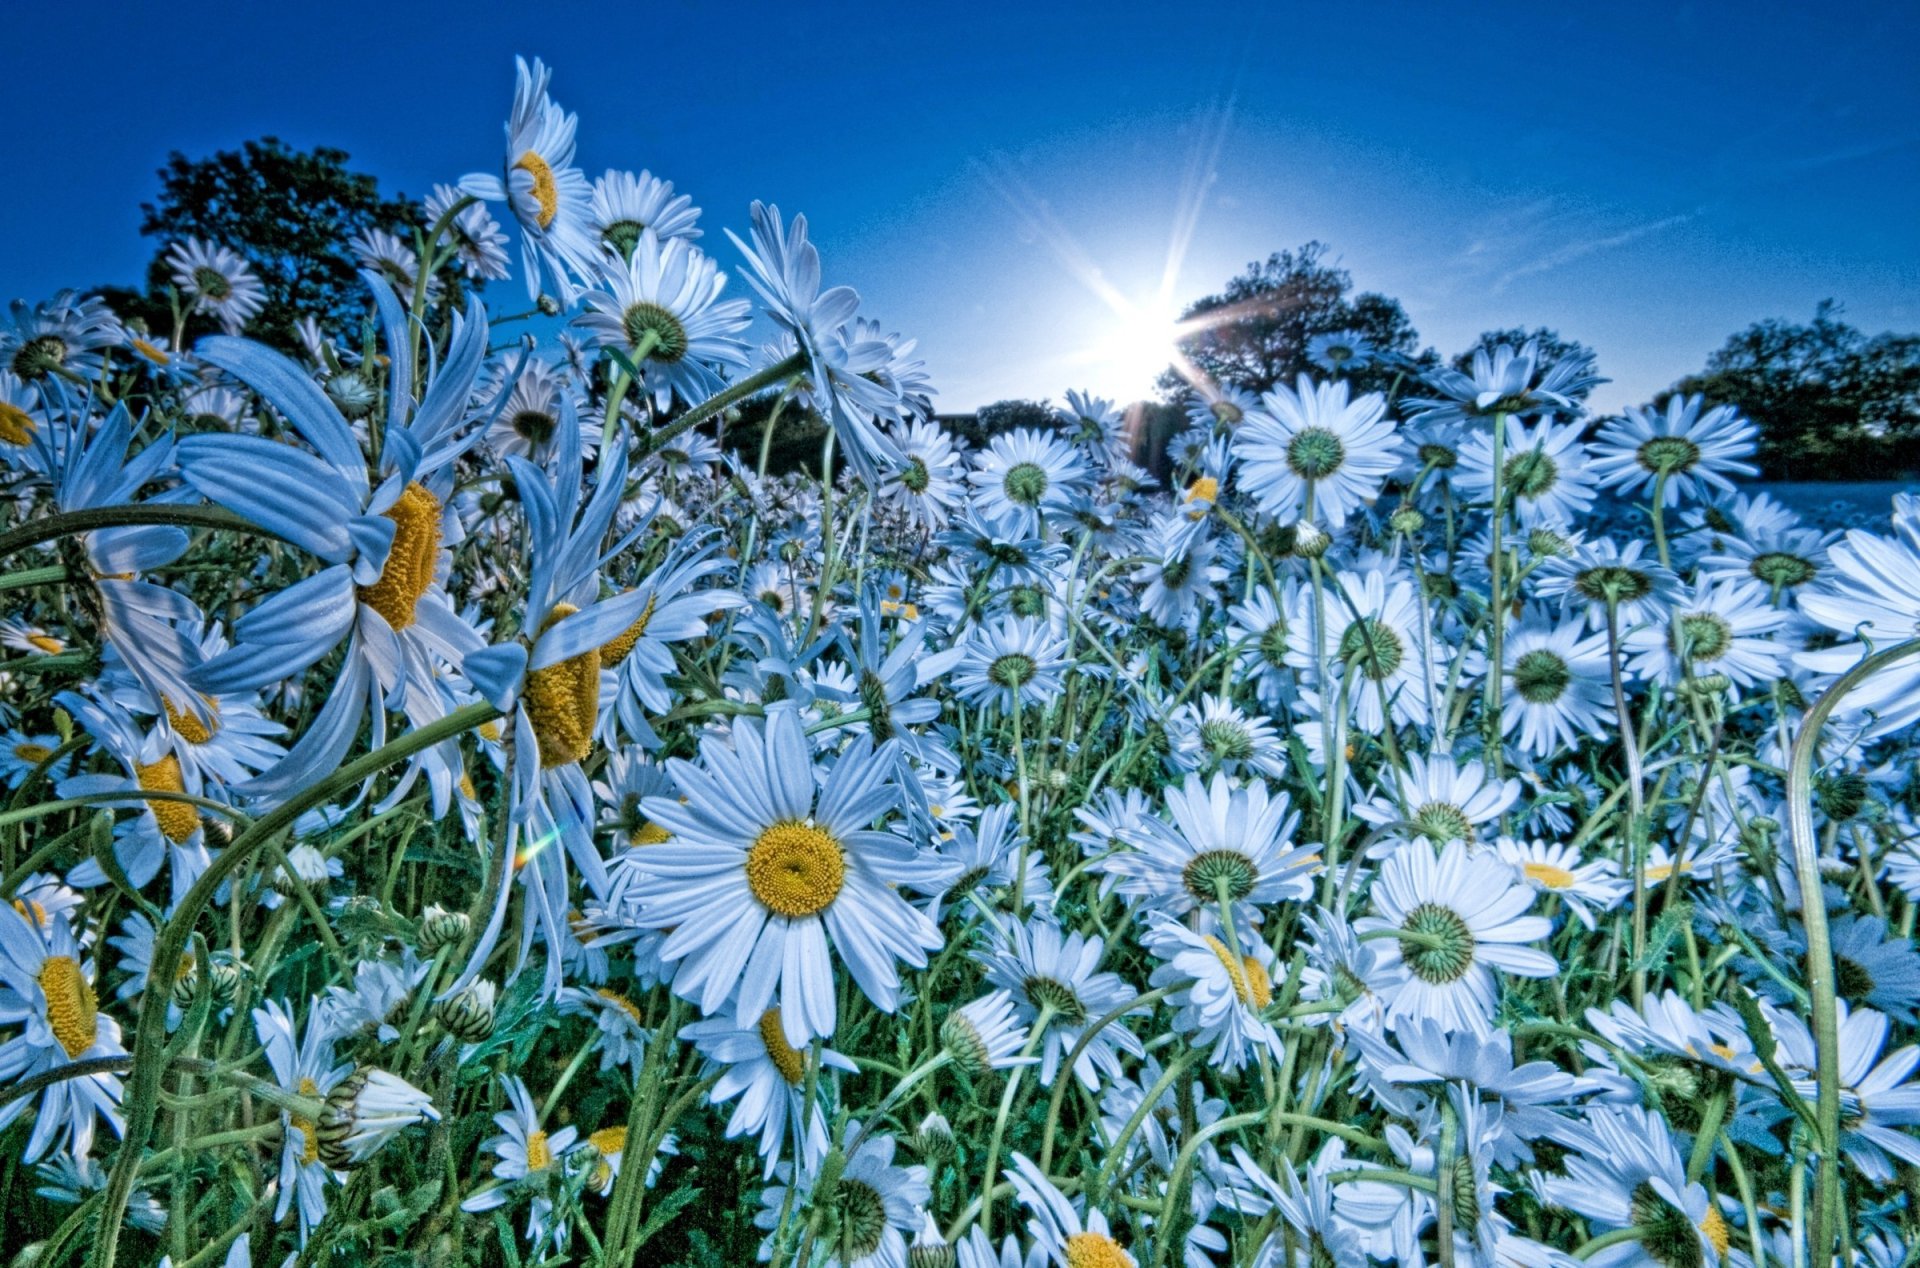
(462, 807)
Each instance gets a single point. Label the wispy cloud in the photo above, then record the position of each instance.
(1582, 247)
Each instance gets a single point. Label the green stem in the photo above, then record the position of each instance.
(92, 519)
(730, 395)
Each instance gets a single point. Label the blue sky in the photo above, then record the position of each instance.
(1647, 179)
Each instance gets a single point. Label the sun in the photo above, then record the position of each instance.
(1135, 345)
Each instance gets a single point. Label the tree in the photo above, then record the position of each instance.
(1831, 403)
(1552, 348)
(1255, 333)
(990, 420)
(292, 213)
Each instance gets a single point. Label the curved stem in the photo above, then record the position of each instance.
(94, 518)
(1813, 915)
(732, 394)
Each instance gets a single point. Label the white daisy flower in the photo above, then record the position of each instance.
(1445, 921)
(1631, 1175)
(1314, 455)
(46, 989)
(1024, 475)
(1555, 690)
(1221, 1007)
(1544, 476)
(219, 281)
(1053, 975)
(764, 867)
(1557, 868)
(1719, 628)
(626, 206)
(1682, 451)
(1070, 1239)
(479, 243)
(662, 307)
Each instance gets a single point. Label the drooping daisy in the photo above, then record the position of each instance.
(1025, 476)
(876, 1203)
(479, 243)
(625, 206)
(768, 1075)
(1228, 988)
(1011, 663)
(764, 868)
(46, 989)
(304, 1067)
(218, 281)
(1630, 1175)
(1460, 914)
(1555, 691)
(1313, 454)
(1719, 628)
(1506, 380)
(1557, 869)
(1682, 449)
(527, 1161)
(1226, 843)
(673, 608)
(1070, 1239)
(784, 267)
(234, 741)
(549, 196)
(662, 307)
(1543, 473)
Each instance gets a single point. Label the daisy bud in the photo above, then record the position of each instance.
(353, 394)
(468, 1016)
(1407, 520)
(309, 868)
(442, 928)
(1544, 542)
(929, 1249)
(549, 306)
(1706, 685)
(1310, 541)
(226, 981)
(186, 983)
(934, 1138)
(364, 1111)
(984, 1036)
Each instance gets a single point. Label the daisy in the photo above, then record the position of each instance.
(928, 484)
(1023, 476)
(1320, 1236)
(231, 743)
(784, 267)
(548, 195)
(1226, 843)
(1874, 968)
(526, 1159)
(1873, 594)
(1095, 422)
(1682, 451)
(1219, 407)
(1221, 1007)
(985, 1035)
(1444, 922)
(22, 754)
(1719, 628)
(1377, 636)
(1011, 663)
(662, 308)
(218, 281)
(1069, 1239)
(1056, 987)
(1543, 475)
(764, 867)
(382, 542)
(1340, 351)
(46, 989)
(1554, 691)
(21, 416)
(1558, 869)
(1440, 798)
(672, 608)
(479, 243)
(1879, 1100)
(303, 1067)
(876, 1205)
(768, 1077)
(989, 855)
(1259, 627)
(1215, 735)
(1771, 545)
(1179, 581)
(383, 255)
(1603, 575)
(62, 337)
(526, 419)
(1506, 380)
(1314, 455)
(1630, 1175)
(625, 206)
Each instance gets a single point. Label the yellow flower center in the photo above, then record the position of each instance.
(47, 643)
(32, 911)
(649, 833)
(190, 728)
(545, 192)
(1549, 876)
(28, 751)
(490, 731)
(16, 425)
(467, 789)
(539, 1157)
(176, 818)
(1205, 489)
(624, 1004)
(72, 1009)
(609, 1141)
(1251, 985)
(563, 701)
(1096, 1250)
(409, 568)
(151, 352)
(309, 1134)
(1714, 1227)
(612, 653)
(786, 1058)
(796, 869)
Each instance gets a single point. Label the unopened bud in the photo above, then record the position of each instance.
(1310, 541)
(364, 1111)
(351, 393)
(442, 928)
(468, 1016)
(934, 1138)
(1407, 520)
